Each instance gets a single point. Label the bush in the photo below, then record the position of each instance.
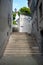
(14, 22)
(25, 11)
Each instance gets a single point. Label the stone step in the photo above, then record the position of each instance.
(21, 54)
(36, 49)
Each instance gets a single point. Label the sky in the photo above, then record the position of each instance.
(19, 3)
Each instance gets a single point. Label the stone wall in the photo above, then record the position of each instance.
(37, 24)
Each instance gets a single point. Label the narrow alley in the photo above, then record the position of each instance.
(21, 32)
(19, 50)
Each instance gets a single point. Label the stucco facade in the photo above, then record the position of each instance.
(25, 24)
(5, 22)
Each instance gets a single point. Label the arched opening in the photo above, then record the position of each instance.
(41, 32)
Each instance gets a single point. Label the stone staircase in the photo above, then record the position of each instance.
(35, 46)
(18, 45)
(19, 50)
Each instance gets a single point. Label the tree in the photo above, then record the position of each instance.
(25, 11)
(14, 15)
(14, 22)
(18, 13)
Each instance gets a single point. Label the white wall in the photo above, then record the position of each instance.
(25, 24)
(5, 29)
(17, 17)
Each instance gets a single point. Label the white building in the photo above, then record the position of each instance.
(17, 17)
(5, 23)
(25, 24)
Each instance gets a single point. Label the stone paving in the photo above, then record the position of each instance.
(18, 50)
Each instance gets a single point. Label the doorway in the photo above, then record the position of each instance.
(41, 32)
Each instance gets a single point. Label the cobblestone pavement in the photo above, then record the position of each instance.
(18, 50)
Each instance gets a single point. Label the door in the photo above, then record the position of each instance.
(41, 41)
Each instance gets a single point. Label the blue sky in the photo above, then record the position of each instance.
(19, 3)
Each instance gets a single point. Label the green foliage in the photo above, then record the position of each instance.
(14, 22)
(25, 11)
(18, 13)
(14, 15)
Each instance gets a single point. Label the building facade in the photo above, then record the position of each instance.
(37, 18)
(25, 24)
(5, 23)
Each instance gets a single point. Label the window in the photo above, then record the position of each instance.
(9, 20)
(35, 2)
(40, 10)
